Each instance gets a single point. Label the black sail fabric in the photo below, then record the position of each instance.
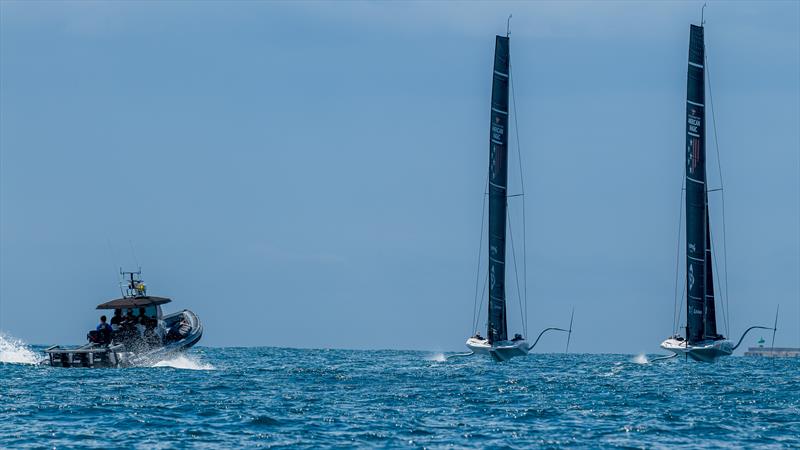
(701, 320)
(498, 182)
(710, 321)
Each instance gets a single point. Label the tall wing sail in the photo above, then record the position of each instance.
(498, 182)
(697, 259)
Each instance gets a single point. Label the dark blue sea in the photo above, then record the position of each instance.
(277, 397)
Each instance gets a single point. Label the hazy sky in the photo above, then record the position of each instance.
(311, 174)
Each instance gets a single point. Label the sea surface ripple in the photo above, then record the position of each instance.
(277, 397)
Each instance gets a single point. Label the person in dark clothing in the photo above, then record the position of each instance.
(143, 319)
(130, 319)
(179, 331)
(103, 331)
(117, 319)
(127, 332)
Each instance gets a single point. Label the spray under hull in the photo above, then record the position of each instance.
(705, 351)
(499, 351)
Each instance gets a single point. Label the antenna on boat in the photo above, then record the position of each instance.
(121, 282)
(508, 26)
(131, 283)
(702, 14)
(133, 250)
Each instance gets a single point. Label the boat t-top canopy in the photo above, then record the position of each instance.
(133, 302)
(134, 294)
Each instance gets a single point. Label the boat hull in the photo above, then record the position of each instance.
(705, 351)
(117, 355)
(499, 351)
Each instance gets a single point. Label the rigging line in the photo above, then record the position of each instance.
(475, 311)
(680, 307)
(715, 272)
(485, 282)
(675, 312)
(516, 275)
(522, 187)
(722, 190)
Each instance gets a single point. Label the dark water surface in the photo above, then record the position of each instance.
(273, 397)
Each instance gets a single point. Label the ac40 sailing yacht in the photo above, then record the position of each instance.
(701, 342)
(497, 343)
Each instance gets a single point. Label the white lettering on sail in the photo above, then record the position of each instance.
(691, 276)
(694, 124)
(693, 148)
(497, 132)
(692, 247)
(497, 129)
(491, 278)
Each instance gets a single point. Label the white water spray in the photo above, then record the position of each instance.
(641, 358)
(184, 362)
(14, 351)
(438, 357)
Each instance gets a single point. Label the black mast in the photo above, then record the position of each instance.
(700, 313)
(498, 184)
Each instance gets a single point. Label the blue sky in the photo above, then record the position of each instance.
(311, 174)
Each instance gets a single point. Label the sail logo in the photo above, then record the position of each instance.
(497, 129)
(495, 166)
(694, 123)
(692, 247)
(694, 154)
(696, 311)
(691, 276)
(491, 278)
(493, 250)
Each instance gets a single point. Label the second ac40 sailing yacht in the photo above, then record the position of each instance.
(702, 342)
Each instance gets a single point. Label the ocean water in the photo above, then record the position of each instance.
(277, 397)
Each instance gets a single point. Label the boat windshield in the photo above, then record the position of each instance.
(152, 311)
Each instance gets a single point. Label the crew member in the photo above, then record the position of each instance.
(143, 319)
(130, 319)
(104, 331)
(117, 319)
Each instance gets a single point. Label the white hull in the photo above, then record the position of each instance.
(706, 351)
(500, 351)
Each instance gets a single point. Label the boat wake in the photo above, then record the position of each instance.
(184, 362)
(14, 351)
(641, 358)
(437, 357)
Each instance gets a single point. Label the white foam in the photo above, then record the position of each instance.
(14, 351)
(641, 358)
(184, 362)
(438, 357)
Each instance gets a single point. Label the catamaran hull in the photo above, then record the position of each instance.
(501, 351)
(706, 351)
